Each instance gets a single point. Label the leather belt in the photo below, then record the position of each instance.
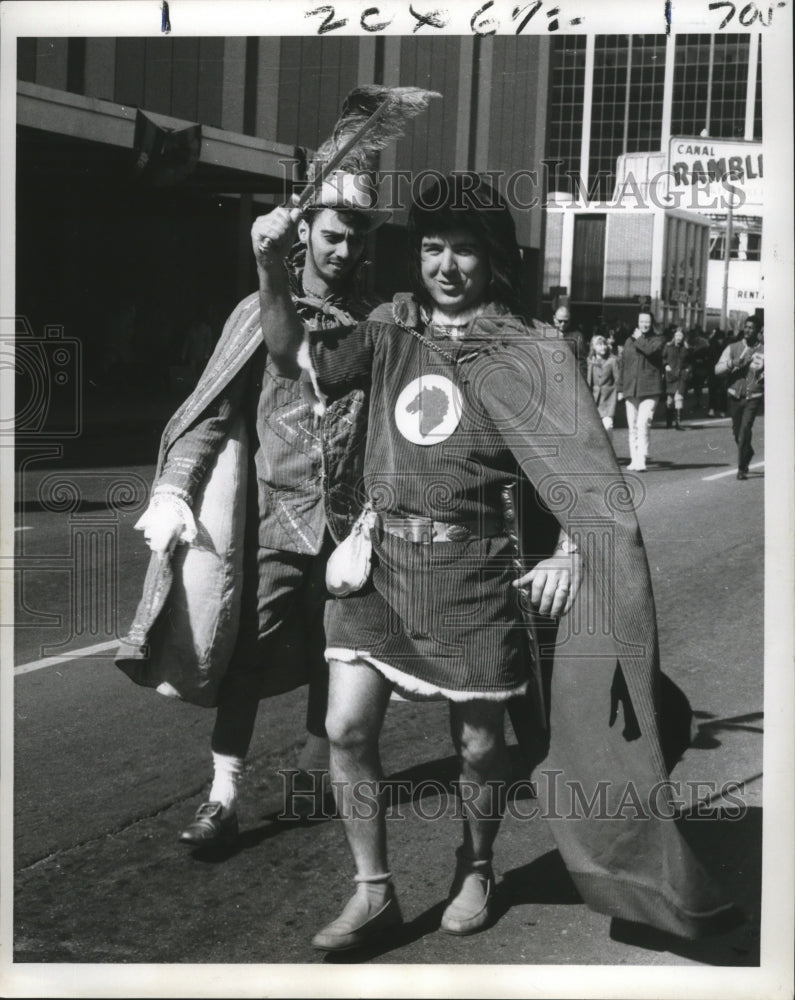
(423, 530)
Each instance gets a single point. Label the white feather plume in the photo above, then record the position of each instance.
(405, 103)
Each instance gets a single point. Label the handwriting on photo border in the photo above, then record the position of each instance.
(536, 16)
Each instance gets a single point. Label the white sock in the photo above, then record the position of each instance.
(226, 777)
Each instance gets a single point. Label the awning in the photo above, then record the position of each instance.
(228, 161)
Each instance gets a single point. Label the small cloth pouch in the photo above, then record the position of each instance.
(350, 564)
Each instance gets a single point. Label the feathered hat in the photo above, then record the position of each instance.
(342, 172)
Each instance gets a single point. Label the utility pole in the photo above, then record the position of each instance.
(727, 252)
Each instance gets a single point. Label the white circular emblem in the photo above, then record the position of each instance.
(428, 410)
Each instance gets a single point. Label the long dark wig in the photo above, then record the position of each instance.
(466, 200)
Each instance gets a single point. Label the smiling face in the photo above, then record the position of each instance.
(334, 244)
(455, 270)
(644, 322)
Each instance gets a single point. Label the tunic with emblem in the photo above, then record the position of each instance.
(439, 618)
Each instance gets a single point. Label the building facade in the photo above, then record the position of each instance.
(615, 235)
(150, 158)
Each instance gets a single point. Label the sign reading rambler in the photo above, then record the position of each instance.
(723, 179)
(729, 173)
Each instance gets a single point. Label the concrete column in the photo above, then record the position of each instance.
(567, 250)
(750, 97)
(668, 92)
(587, 109)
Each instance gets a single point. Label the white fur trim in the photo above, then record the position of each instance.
(304, 359)
(412, 688)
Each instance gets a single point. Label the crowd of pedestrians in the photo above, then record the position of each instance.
(645, 366)
(688, 368)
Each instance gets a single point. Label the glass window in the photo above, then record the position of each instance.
(691, 84)
(729, 87)
(629, 71)
(746, 243)
(564, 133)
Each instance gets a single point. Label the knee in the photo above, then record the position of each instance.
(480, 749)
(348, 732)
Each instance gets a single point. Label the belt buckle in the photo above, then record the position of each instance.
(418, 530)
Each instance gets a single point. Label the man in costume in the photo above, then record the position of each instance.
(466, 400)
(742, 364)
(270, 482)
(286, 530)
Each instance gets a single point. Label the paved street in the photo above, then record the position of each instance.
(107, 773)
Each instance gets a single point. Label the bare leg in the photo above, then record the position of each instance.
(477, 728)
(358, 699)
(478, 733)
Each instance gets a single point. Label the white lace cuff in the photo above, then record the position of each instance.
(167, 505)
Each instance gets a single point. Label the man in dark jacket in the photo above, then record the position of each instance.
(573, 336)
(640, 384)
(743, 364)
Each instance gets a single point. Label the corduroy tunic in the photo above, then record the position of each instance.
(438, 618)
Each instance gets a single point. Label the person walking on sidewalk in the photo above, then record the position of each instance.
(640, 384)
(602, 376)
(288, 528)
(742, 364)
(467, 402)
(676, 361)
(572, 335)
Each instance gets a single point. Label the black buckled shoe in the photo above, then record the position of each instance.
(210, 828)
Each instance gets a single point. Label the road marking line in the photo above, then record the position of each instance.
(72, 654)
(731, 472)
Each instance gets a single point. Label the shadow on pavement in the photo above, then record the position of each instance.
(733, 851)
(706, 736)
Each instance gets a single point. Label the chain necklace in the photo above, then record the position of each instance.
(434, 347)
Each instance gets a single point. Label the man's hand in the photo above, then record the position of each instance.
(757, 362)
(273, 234)
(166, 521)
(555, 582)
